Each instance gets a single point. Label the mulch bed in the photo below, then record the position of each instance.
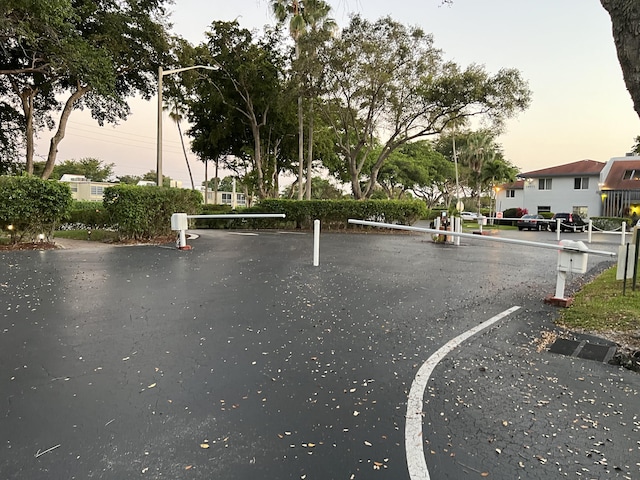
(28, 246)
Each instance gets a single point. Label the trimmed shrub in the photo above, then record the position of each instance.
(144, 213)
(32, 206)
(210, 209)
(512, 213)
(335, 213)
(88, 216)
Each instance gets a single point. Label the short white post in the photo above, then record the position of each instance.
(624, 233)
(562, 276)
(558, 228)
(590, 231)
(180, 223)
(316, 243)
(480, 222)
(457, 221)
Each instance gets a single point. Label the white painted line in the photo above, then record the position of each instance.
(414, 442)
(244, 234)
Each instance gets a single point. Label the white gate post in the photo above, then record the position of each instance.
(316, 243)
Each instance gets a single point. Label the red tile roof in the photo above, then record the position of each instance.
(582, 167)
(519, 185)
(614, 180)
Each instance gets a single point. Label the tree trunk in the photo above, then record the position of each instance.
(62, 127)
(184, 151)
(206, 181)
(300, 136)
(27, 97)
(625, 18)
(309, 153)
(262, 193)
(216, 182)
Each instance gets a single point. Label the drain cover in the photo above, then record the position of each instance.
(583, 349)
(563, 346)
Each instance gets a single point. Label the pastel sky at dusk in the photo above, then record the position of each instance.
(564, 48)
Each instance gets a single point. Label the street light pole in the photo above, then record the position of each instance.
(161, 73)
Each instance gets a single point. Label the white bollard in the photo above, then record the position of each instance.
(457, 221)
(182, 242)
(624, 233)
(316, 243)
(590, 230)
(558, 228)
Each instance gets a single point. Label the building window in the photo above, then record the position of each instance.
(581, 183)
(544, 184)
(542, 209)
(226, 198)
(241, 199)
(97, 190)
(74, 187)
(511, 194)
(631, 175)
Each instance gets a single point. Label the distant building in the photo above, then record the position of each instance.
(586, 187)
(84, 189)
(224, 198)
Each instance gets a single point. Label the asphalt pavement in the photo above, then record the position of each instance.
(239, 359)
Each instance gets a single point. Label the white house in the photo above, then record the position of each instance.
(83, 188)
(587, 187)
(573, 187)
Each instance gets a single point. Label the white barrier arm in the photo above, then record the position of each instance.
(516, 241)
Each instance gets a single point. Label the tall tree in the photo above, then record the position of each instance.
(291, 10)
(246, 94)
(320, 28)
(88, 54)
(625, 18)
(479, 149)
(385, 77)
(176, 116)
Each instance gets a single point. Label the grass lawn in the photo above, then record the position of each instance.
(95, 236)
(600, 306)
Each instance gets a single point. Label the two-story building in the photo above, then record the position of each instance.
(586, 187)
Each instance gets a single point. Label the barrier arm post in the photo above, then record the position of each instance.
(179, 222)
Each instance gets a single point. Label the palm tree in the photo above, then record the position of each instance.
(292, 10)
(316, 14)
(176, 116)
(480, 148)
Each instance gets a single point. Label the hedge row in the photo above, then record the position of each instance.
(30, 206)
(333, 214)
(143, 213)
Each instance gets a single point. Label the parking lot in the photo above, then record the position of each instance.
(240, 359)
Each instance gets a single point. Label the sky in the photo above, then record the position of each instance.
(564, 49)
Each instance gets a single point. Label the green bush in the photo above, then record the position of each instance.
(32, 206)
(335, 213)
(609, 224)
(144, 213)
(210, 209)
(88, 215)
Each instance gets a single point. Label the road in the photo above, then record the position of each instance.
(239, 359)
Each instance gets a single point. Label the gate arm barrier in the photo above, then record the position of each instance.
(179, 222)
(553, 246)
(572, 256)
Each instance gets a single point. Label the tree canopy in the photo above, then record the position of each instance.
(59, 55)
(386, 77)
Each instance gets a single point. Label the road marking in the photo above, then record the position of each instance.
(414, 442)
(244, 234)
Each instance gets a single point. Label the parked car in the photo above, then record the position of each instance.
(569, 222)
(532, 222)
(469, 216)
